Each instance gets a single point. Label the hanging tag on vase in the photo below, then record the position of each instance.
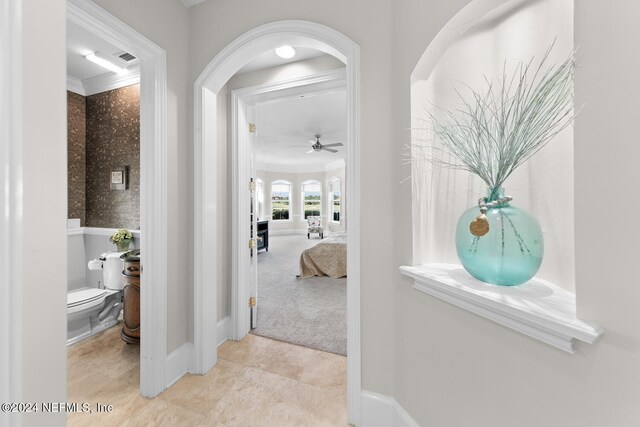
(479, 226)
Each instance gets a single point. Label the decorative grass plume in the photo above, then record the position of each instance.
(497, 130)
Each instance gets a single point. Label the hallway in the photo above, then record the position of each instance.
(257, 382)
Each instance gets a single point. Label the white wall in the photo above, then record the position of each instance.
(544, 185)
(76, 265)
(216, 23)
(165, 23)
(44, 210)
(224, 221)
(85, 244)
(456, 369)
(446, 367)
(340, 174)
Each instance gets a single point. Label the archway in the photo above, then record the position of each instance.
(206, 209)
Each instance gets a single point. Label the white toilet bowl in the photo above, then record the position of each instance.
(83, 305)
(91, 310)
(82, 300)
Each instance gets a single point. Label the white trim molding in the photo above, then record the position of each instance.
(224, 330)
(206, 88)
(180, 362)
(242, 101)
(110, 81)
(75, 85)
(10, 207)
(268, 167)
(287, 232)
(153, 180)
(103, 82)
(95, 231)
(538, 308)
(379, 410)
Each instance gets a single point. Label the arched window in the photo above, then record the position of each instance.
(335, 200)
(311, 198)
(280, 200)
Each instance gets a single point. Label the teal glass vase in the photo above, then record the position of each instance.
(510, 253)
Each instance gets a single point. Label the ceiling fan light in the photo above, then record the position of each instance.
(285, 52)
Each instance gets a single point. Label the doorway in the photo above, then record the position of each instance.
(295, 128)
(207, 205)
(153, 182)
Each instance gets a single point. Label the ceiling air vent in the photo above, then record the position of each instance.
(127, 56)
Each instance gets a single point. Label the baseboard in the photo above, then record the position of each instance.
(379, 410)
(224, 332)
(180, 361)
(177, 364)
(287, 232)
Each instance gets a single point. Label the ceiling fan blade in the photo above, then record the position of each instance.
(313, 142)
(337, 144)
(311, 151)
(331, 150)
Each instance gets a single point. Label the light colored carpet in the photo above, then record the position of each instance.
(310, 312)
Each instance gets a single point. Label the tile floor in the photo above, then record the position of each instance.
(257, 382)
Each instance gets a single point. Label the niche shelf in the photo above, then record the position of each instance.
(538, 308)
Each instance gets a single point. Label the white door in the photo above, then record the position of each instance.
(244, 220)
(253, 206)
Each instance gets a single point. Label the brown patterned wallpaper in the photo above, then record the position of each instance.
(76, 156)
(113, 141)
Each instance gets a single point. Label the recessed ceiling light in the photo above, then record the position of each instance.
(104, 63)
(285, 52)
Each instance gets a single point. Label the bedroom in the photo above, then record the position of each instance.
(296, 116)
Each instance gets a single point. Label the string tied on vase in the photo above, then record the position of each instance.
(480, 225)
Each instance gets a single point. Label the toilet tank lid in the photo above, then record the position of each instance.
(80, 296)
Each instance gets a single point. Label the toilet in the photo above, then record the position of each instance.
(91, 310)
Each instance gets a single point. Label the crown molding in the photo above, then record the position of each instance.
(110, 81)
(271, 167)
(75, 85)
(103, 82)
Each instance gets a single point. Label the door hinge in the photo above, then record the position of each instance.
(252, 185)
(252, 243)
(252, 127)
(252, 301)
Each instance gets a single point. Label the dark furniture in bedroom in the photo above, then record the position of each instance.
(263, 235)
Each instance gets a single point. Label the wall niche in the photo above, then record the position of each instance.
(475, 45)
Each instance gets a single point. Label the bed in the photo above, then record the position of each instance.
(327, 258)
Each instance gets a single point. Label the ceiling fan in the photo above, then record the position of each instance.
(317, 146)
